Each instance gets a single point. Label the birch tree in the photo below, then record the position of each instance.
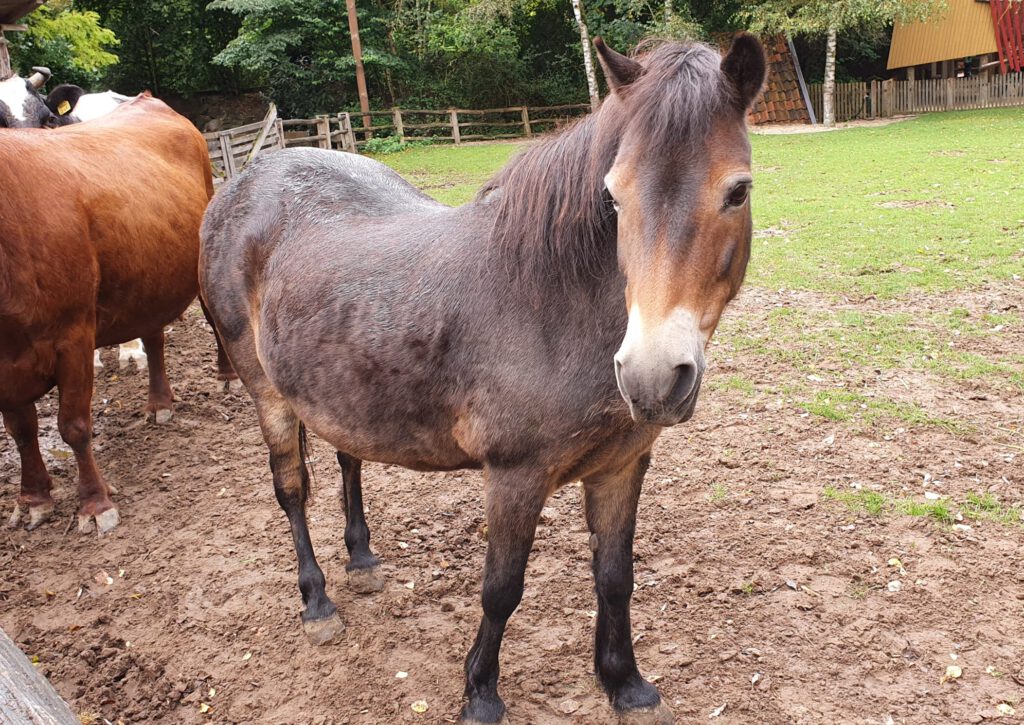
(588, 58)
(831, 17)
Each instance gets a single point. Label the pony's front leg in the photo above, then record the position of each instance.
(363, 567)
(514, 501)
(611, 501)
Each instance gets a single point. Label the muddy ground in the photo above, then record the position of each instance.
(756, 592)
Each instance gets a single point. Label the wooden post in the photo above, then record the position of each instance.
(527, 129)
(279, 129)
(456, 135)
(323, 130)
(983, 91)
(887, 97)
(348, 136)
(949, 93)
(874, 99)
(229, 157)
(268, 123)
(357, 53)
(5, 58)
(396, 114)
(25, 695)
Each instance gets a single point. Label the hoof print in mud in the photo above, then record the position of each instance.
(324, 631)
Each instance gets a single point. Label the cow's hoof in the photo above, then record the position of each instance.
(366, 581)
(132, 352)
(233, 386)
(657, 715)
(97, 364)
(39, 514)
(15, 518)
(102, 522)
(161, 416)
(324, 631)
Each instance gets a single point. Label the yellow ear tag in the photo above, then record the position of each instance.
(63, 108)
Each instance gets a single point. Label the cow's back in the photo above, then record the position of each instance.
(100, 220)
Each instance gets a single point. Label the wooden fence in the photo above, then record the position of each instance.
(881, 99)
(232, 149)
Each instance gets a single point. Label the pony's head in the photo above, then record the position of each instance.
(680, 185)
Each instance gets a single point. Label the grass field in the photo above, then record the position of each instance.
(875, 251)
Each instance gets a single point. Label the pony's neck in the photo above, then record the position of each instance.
(554, 224)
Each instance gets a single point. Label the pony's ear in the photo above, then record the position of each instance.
(745, 66)
(619, 70)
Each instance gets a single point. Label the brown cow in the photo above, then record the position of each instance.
(99, 243)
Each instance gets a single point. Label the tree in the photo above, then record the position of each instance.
(71, 43)
(588, 58)
(830, 17)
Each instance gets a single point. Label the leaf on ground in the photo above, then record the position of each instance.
(718, 710)
(953, 672)
(420, 706)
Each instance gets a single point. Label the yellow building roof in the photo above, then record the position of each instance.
(964, 28)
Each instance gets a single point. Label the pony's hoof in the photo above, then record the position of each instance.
(657, 715)
(161, 416)
(324, 631)
(39, 514)
(366, 581)
(484, 709)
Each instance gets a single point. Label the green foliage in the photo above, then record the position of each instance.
(71, 43)
(381, 145)
(167, 45)
(817, 16)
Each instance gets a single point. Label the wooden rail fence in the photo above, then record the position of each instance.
(881, 99)
(232, 149)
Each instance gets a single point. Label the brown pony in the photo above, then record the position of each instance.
(546, 332)
(99, 244)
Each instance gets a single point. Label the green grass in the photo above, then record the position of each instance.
(977, 507)
(929, 204)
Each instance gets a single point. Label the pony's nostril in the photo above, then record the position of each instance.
(686, 379)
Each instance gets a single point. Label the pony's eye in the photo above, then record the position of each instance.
(738, 194)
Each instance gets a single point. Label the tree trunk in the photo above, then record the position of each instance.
(357, 53)
(588, 58)
(829, 91)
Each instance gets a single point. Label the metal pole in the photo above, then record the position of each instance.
(357, 52)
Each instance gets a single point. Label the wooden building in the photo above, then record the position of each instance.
(11, 11)
(968, 37)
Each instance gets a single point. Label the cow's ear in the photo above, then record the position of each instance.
(62, 99)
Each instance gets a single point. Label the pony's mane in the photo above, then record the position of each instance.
(555, 219)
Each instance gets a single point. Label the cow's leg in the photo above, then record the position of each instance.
(160, 406)
(611, 501)
(97, 364)
(282, 433)
(23, 426)
(74, 420)
(514, 502)
(133, 351)
(225, 371)
(363, 567)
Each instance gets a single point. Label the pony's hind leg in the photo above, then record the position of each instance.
(611, 501)
(363, 567)
(283, 435)
(514, 501)
(225, 370)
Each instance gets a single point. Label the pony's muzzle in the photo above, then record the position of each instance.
(659, 375)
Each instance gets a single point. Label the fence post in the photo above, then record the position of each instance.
(527, 129)
(279, 128)
(348, 136)
(399, 128)
(456, 135)
(949, 94)
(983, 92)
(887, 97)
(323, 128)
(229, 157)
(874, 99)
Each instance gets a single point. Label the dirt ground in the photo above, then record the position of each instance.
(759, 599)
